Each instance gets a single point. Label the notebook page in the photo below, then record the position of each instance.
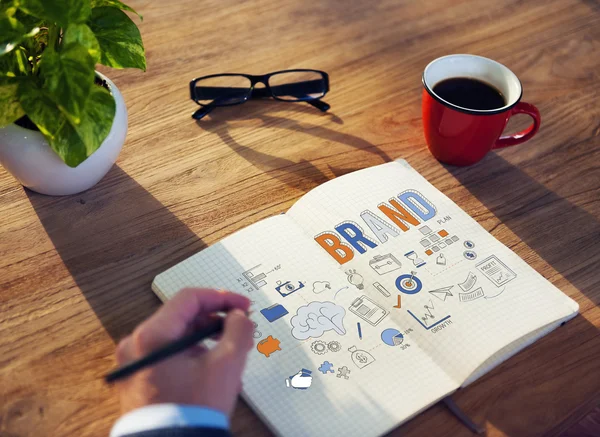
(359, 390)
(510, 350)
(470, 295)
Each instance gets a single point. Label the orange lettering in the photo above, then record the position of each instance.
(399, 215)
(341, 252)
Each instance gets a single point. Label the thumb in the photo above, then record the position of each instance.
(237, 334)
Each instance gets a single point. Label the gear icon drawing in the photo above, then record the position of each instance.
(319, 347)
(334, 346)
(344, 371)
(326, 367)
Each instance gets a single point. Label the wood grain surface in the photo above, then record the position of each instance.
(75, 272)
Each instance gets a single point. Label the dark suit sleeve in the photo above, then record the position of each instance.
(182, 432)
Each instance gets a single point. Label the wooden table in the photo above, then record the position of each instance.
(75, 272)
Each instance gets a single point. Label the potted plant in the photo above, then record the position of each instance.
(62, 124)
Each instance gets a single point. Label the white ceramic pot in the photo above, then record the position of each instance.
(28, 157)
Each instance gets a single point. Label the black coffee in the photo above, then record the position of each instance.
(470, 93)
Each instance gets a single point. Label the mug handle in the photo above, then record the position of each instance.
(524, 135)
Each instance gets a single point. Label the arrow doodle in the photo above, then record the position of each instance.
(496, 295)
(442, 293)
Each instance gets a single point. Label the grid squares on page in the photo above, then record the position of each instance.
(438, 363)
(485, 325)
(332, 402)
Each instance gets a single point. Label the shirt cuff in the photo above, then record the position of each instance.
(160, 416)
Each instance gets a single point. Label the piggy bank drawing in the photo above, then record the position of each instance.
(268, 346)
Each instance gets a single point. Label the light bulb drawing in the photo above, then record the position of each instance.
(355, 279)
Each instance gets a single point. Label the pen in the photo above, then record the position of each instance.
(166, 351)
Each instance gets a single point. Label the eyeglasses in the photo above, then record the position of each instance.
(233, 89)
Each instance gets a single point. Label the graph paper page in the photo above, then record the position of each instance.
(415, 261)
(305, 332)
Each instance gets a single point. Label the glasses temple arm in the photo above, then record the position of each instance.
(203, 112)
(319, 104)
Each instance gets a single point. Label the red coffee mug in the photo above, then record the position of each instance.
(462, 136)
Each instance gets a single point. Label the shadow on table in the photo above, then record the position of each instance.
(540, 386)
(114, 239)
(566, 237)
(562, 233)
(302, 175)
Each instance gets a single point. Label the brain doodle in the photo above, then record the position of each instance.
(316, 318)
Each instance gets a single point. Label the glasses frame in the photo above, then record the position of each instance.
(260, 92)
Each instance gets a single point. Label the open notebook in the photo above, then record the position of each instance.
(374, 297)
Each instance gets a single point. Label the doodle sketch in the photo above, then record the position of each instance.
(368, 310)
(427, 315)
(256, 333)
(360, 357)
(392, 337)
(469, 282)
(383, 264)
(355, 279)
(319, 347)
(268, 346)
(301, 380)
(496, 271)
(343, 372)
(417, 262)
(256, 279)
(472, 295)
(381, 289)
(274, 312)
(326, 367)
(409, 284)
(433, 242)
(334, 346)
(341, 289)
(495, 295)
(321, 286)
(442, 293)
(288, 287)
(314, 319)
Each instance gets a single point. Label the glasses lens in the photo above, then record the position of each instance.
(222, 90)
(298, 85)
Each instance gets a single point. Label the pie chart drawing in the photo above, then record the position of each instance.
(392, 337)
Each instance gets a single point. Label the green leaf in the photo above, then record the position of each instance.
(119, 38)
(82, 34)
(12, 32)
(8, 7)
(72, 143)
(41, 109)
(69, 76)
(63, 12)
(14, 64)
(97, 119)
(11, 107)
(29, 21)
(115, 4)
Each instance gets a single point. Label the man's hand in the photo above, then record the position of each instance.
(198, 376)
